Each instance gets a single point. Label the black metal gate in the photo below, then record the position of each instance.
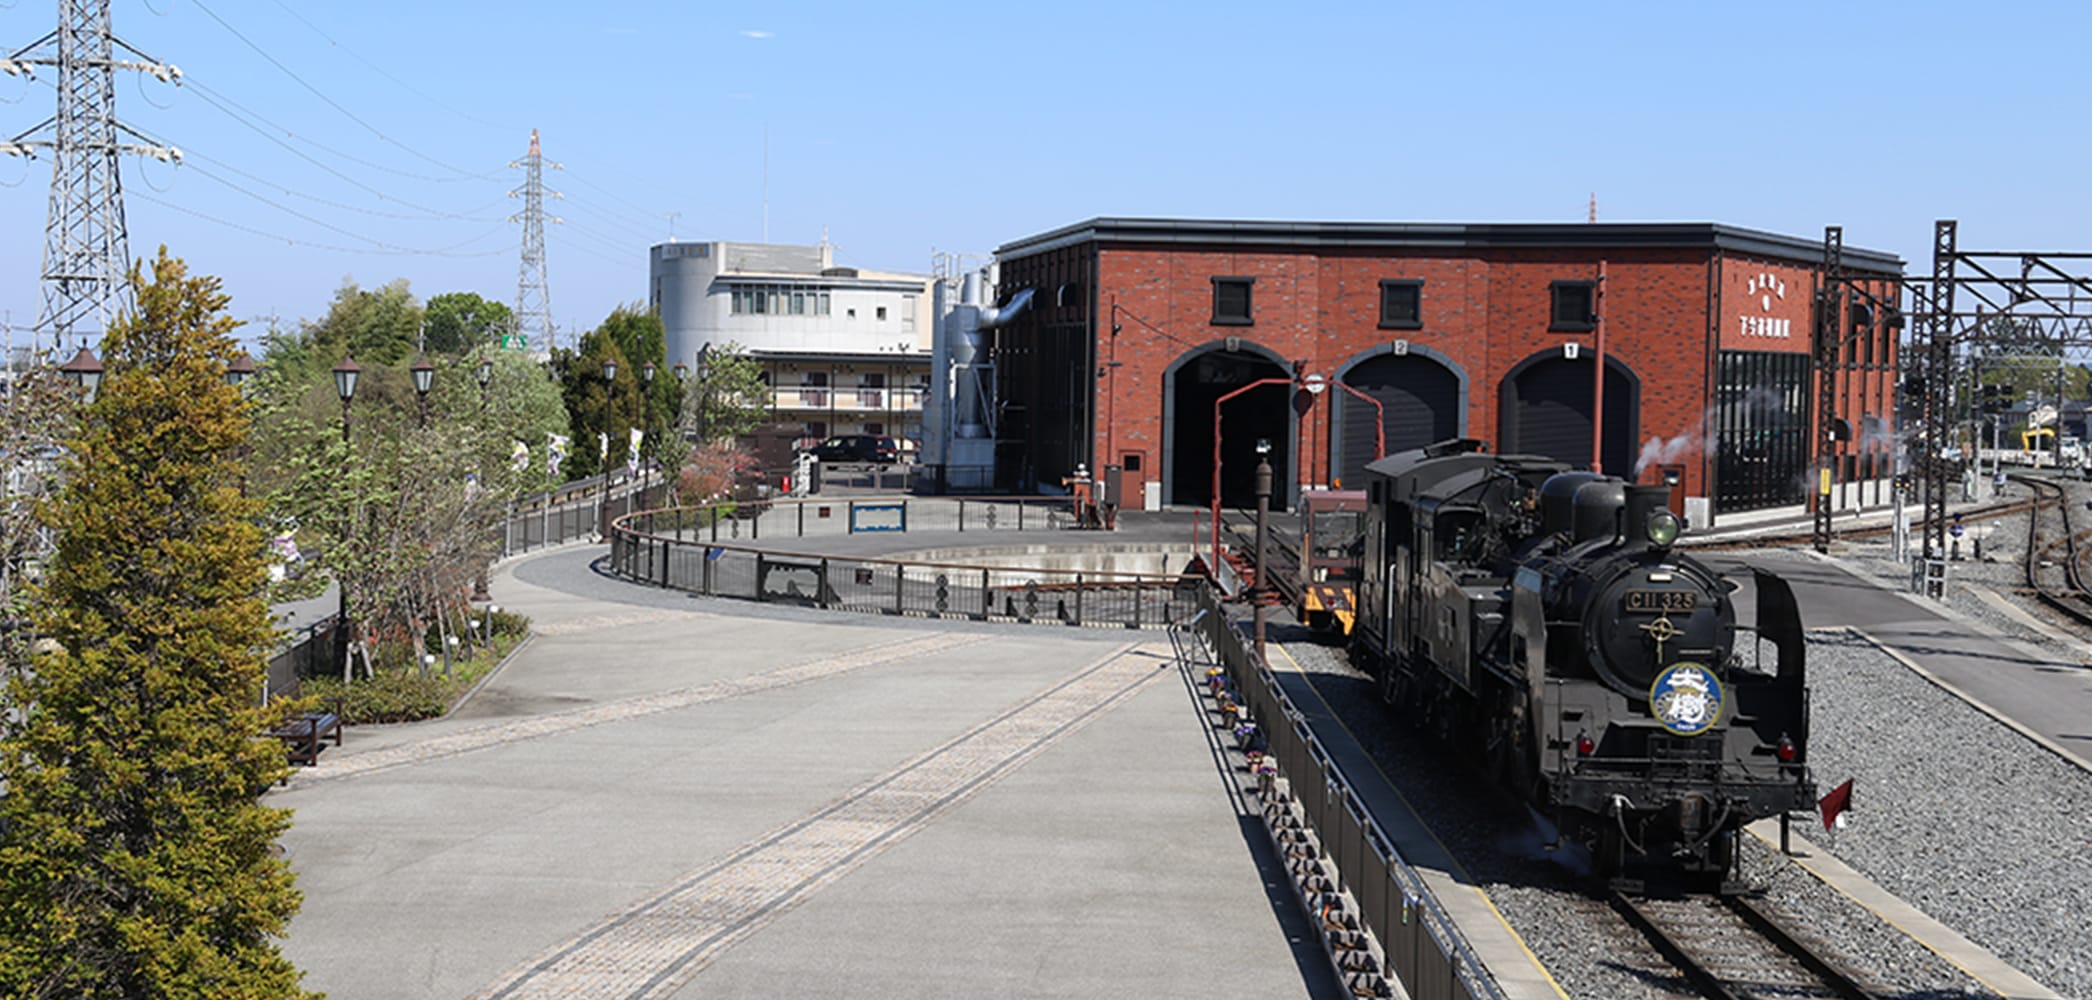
(1761, 429)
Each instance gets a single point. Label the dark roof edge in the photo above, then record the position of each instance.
(1462, 236)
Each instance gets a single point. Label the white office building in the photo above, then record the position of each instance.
(830, 338)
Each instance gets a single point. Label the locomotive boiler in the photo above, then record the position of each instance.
(1540, 621)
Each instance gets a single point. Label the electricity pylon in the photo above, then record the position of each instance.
(86, 251)
(533, 297)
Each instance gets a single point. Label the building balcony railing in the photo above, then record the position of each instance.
(886, 400)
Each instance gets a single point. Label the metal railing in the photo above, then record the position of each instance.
(1423, 948)
(313, 649)
(696, 549)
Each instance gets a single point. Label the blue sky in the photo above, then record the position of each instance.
(368, 141)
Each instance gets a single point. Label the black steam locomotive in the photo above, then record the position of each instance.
(1538, 619)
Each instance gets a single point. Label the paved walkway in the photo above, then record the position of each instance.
(667, 797)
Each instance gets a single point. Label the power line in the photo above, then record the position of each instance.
(214, 99)
(331, 102)
(380, 70)
(294, 241)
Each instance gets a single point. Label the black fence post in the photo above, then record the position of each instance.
(962, 515)
(759, 579)
(900, 576)
(821, 585)
(987, 597)
(1079, 589)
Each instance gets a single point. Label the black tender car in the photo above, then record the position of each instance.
(858, 448)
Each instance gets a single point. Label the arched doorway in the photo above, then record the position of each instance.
(1196, 381)
(1422, 400)
(1547, 411)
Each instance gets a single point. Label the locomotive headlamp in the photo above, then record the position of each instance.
(1663, 528)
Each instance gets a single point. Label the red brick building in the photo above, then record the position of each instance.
(1139, 326)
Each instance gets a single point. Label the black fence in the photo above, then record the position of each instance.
(310, 652)
(819, 517)
(692, 549)
(1423, 948)
(577, 510)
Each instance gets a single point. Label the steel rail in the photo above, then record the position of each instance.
(1719, 986)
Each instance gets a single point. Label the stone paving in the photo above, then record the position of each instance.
(659, 945)
(665, 796)
(351, 764)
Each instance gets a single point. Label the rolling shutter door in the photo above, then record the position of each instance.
(1420, 400)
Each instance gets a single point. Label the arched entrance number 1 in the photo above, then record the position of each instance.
(1546, 410)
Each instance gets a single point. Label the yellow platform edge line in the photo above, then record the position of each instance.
(1458, 872)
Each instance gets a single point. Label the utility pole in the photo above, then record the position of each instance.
(533, 296)
(86, 251)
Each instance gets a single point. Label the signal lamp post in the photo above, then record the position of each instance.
(1260, 593)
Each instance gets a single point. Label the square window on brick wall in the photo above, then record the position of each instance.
(1401, 305)
(1575, 305)
(1231, 303)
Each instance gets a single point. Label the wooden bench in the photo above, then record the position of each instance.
(304, 735)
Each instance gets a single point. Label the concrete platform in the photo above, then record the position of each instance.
(664, 796)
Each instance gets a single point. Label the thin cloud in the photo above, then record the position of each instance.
(753, 33)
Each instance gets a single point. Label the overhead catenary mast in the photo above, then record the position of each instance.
(533, 297)
(86, 250)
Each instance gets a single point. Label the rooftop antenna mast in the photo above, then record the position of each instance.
(86, 251)
(1594, 208)
(533, 296)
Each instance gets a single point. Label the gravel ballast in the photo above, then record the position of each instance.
(1973, 823)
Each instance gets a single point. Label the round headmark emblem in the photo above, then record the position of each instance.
(1686, 699)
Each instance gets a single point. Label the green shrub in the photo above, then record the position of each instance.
(391, 696)
(511, 624)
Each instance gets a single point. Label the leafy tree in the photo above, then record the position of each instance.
(135, 860)
(379, 325)
(35, 415)
(461, 322)
(728, 396)
(595, 407)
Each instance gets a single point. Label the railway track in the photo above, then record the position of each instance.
(1792, 539)
(2055, 553)
(1732, 948)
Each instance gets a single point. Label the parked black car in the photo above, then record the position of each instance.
(858, 448)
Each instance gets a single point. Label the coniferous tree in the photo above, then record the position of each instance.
(135, 860)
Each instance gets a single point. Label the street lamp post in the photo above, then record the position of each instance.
(345, 376)
(424, 379)
(646, 378)
(603, 507)
(1263, 588)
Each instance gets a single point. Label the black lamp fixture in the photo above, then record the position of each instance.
(85, 370)
(609, 370)
(682, 371)
(485, 372)
(424, 379)
(646, 373)
(345, 376)
(240, 370)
